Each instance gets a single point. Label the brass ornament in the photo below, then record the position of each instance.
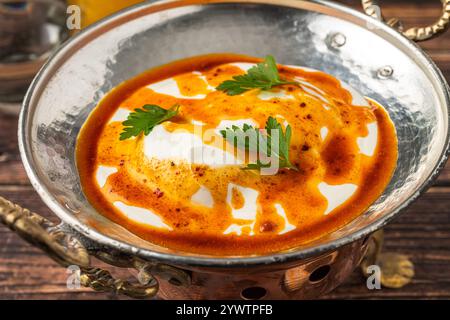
(102, 281)
(416, 33)
(174, 276)
(146, 269)
(396, 269)
(66, 250)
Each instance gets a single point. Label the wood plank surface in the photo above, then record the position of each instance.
(422, 232)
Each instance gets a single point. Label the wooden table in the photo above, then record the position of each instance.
(423, 232)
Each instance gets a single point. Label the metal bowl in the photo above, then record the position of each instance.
(367, 54)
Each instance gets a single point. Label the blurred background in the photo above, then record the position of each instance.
(31, 30)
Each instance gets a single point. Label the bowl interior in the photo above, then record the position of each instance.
(296, 32)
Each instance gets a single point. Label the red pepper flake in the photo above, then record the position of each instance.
(158, 193)
(200, 171)
(267, 226)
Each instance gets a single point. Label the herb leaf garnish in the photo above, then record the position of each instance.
(263, 76)
(241, 138)
(145, 119)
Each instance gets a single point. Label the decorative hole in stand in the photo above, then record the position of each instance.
(253, 293)
(319, 274)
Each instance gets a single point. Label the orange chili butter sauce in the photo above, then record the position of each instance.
(223, 210)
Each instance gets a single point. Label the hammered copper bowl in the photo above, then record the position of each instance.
(366, 53)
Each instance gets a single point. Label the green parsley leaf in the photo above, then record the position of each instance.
(263, 76)
(145, 119)
(283, 143)
(241, 138)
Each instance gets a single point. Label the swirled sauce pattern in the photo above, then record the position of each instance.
(180, 186)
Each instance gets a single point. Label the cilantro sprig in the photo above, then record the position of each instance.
(241, 138)
(145, 119)
(263, 76)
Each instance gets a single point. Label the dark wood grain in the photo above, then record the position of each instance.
(422, 232)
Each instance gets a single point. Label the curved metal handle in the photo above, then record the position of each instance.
(67, 250)
(372, 8)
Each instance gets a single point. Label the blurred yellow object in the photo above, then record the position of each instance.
(93, 10)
